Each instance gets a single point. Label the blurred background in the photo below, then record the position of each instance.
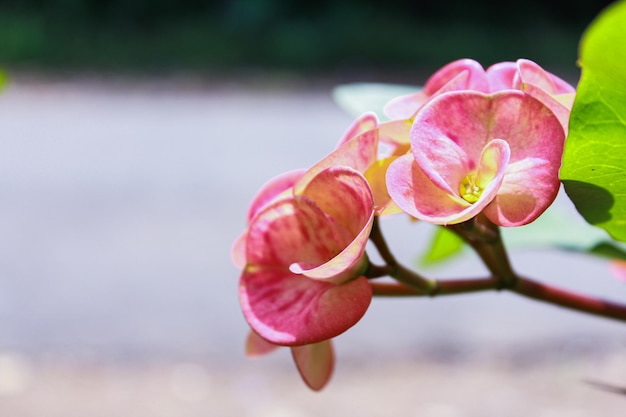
(135, 134)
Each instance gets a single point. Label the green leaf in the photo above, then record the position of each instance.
(594, 162)
(358, 98)
(444, 245)
(3, 79)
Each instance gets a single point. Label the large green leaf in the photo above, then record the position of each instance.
(358, 98)
(594, 163)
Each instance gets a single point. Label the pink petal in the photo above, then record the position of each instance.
(560, 110)
(501, 76)
(315, 363)
(416, 194)
(358, 153)
(343, 194)
(291, 230)
(449, 134)
(396, 134)
(405, 106)
(362, 124)
(528, 189)
(289, 309)
(273, 189)
(238, 251)
(531, 73)
(529, 127)
(257, 346)
(462, 74)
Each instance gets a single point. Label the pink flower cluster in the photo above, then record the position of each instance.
(471, 141)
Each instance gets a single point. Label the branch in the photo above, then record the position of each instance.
(569, 299)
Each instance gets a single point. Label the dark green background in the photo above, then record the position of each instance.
(329, 37)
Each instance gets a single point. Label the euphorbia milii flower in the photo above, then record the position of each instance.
(305, 254)
(471, 152)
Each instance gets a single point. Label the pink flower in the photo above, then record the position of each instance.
(467, 74)
(303, 253)
(302, 282)
(471, 152)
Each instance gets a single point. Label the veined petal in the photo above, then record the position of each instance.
(289, 309)
(560, 110)
(416, 194)
(531, 73)
(449, 134)
(344, 195)
(529, 188)
(315, 363)
(366, 122)
(396, 133)
(404, 107)
(530, 128)
(462, 74)
(274, 189)
(501, 76)
(292, 229)
(358, 153)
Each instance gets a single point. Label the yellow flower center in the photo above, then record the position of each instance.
(469, 190)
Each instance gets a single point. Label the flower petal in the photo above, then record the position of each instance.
(528, 189)
(501, 76)
(364, 123)
(343, 194)
(257, 346)
(289, 309)
(292, 229)
(315, 363)
(238, 251)
(273, 189)
(358, 153)
(448, 136)
(462, 74)
(419, 197)
(531, 73)
(560, 110)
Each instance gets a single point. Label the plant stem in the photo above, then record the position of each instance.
(568, 299)
(443, 287)
(485, 238)
(393, 268)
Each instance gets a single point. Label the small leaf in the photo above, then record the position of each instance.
(594, 162)
(444, 245)
(3, 79)
(358, 98)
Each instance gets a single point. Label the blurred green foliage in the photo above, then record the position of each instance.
(153, 35)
